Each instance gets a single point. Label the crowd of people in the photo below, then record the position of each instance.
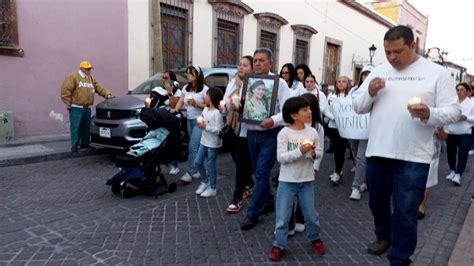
(412, 107)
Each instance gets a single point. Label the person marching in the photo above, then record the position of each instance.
(77, 92)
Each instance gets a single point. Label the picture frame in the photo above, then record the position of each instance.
(259, 95)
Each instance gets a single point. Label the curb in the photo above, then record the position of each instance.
(462, 251)
(50, 157)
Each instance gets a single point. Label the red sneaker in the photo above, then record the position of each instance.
(318, 247)
(275, 254)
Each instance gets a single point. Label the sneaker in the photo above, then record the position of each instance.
(234, 207)
(174, 170)
(450, 176)
(196, 175)
(209, 192)
(186, 178)
(336, 179)
(355, 195)
(248, 224)
(202, 187)
(332, 175)
(275, 254)
(291, 232)
(299, 227)
(353, 169)
(318, 247)
(457, 179)
(471, 152)
(363, 187)
(74, 149)
(378, 247)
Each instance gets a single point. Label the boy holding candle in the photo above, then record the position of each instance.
(296, 152)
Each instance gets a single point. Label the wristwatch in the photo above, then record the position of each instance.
(170, 94)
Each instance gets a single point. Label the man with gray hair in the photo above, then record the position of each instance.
(262, 140)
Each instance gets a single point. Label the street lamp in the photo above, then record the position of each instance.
(372, 52)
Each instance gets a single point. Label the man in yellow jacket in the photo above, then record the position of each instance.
(77, 92)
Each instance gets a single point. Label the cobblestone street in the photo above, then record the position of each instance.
(62, 213)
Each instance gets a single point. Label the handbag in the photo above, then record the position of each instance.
(225, 131)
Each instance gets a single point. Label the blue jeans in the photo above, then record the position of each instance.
(211, 154)
(194, 133)
(262, 149)
(286, 194)
(403, 182)
(80, 126)
(458, 146)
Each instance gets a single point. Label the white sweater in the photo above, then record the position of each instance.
(214, 123)
(393, 133)
(295, 166)
(464, 127)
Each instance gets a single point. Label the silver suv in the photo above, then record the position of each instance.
(116, 124)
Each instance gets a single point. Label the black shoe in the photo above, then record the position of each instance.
(87, 147)
(421, 215)
(268, 208)
(248, 224)
(378, 247)
(74, 149)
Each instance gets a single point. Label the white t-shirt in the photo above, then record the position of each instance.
(295, 166)
(191, 111)
(464, 127)
(393, 133)
(214, 123)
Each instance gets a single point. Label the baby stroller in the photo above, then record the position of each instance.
(140, 170)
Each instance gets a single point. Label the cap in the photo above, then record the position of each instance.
(85, 64)
(367, 68)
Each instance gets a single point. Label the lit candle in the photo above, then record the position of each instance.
(222, 103)
(236, 100)
(414, 101)
(307, 141)
(200, 119)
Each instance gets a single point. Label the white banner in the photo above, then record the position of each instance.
(349, 124)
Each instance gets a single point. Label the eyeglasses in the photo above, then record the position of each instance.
(165, 77)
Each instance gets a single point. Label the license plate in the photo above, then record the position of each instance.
(104, 132)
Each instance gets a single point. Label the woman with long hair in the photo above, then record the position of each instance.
(240, 150)
(192, 98)
(459, 136)
(288, 74)
(342, 88)
(302, 71)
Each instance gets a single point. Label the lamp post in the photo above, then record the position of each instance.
(372, 52)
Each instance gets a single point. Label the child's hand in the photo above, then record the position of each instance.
(306, 147)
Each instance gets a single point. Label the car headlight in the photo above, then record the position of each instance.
(136, 112)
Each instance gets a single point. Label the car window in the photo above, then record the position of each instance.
(219, 80)
(144, 88)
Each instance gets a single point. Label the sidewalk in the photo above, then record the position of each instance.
(40, 149)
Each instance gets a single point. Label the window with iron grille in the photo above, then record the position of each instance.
(227, 42)
(9, 29)
(173, 36)
(301, 52)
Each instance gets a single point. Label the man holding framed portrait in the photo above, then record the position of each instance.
(263, 97)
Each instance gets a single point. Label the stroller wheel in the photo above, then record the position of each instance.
(116, 189)
(127, 192)
(171, 187)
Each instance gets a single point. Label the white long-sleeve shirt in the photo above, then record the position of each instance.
(320, 147)
(393, 132)
(463, 127)
(214, 123)
(295, 166)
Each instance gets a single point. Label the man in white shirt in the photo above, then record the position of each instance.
(262, 141)
(407, 98)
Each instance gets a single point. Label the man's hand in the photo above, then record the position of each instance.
(375, 86)
(109, 96)
(420, 110)
(267, 123)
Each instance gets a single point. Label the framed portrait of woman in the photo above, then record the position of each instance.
(259, 97)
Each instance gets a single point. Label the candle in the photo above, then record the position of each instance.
(236, 100)
(222, 103)
(414, 101)
(190, 97)
(307, 141)
(200, 119)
